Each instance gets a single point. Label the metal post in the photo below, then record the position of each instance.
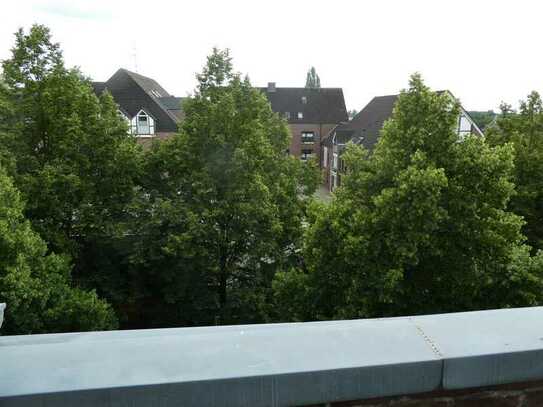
(2, 308)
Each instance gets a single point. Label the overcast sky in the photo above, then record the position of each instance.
(483, 51)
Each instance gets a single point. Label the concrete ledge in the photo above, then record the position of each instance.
(273, 365)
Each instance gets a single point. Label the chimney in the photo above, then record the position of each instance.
(271, 87)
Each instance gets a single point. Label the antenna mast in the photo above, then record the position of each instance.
(135, 56)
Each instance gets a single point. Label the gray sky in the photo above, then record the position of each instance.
(483, 51)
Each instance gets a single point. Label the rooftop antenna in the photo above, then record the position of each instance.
(135, 56)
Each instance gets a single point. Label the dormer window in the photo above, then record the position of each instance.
(300, 115)
(304, 100)
(287, 115)
(143, 124)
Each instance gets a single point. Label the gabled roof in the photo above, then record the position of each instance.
(365, 127)
(324, 105)
(147, 84)
(134, 92)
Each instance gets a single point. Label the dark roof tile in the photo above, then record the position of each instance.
(324, 105)
(134, 92)
(364, 128)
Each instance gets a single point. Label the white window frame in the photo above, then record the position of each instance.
(325, 157)
(142, 131)
(300, 115)
(308, 142)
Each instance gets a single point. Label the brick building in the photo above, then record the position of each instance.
(153, 113)
(311, 115)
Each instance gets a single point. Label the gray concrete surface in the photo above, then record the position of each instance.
(272, 365)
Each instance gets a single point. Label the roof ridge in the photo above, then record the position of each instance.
(135, 73)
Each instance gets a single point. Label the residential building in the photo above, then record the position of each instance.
(365, 128)
(151, 112)
(311, 114)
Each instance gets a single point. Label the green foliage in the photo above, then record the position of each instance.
(74, 161)
(216, 225)
(483, 119)
(420, 226)
(524, 130)
(312, 80)
(222, 205)
(36, 285)
(71, 157)
(352, 113)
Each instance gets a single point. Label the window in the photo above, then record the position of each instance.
(308, 137)
(306, 155)
(334, 161)
(142, 124)
(156, 93)
(304, 100)
(287, 115)
(325, 157)
(464, 127)
(300, 115)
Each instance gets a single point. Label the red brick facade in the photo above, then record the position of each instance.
(297, 146)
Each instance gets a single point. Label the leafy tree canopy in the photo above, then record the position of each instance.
(483, 119)
(75, 163)
(36, 285)
(312, 80)
(524, 130)
(420, 226)
(224, 202)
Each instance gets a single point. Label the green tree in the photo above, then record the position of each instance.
(420, 226)
(75, 162)
(71, 157)
(312, 80)
(36, 285)
(352, 113)
(524, 130)
(483, 119)
(223, 204)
